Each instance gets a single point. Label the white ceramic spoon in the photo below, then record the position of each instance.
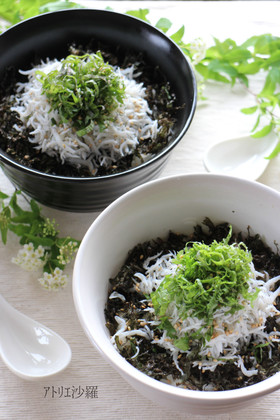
(29, 349)
(243, 157)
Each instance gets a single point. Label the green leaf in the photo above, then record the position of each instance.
(256, 123)
(177, 36)
(219, 66)
(264, 105)
(209, 74)
(182, 343)
(14, 205)
(4, 223)
(163, 24)
(273, 60)
(263, 132)
(249, 110)
(268, 103)
(20, 230)
(212, 53)
(275, 152)
(219, 70)
(37, 240)
(9, 11)
(59, 5)
(266, 44)
(3, 196)
(4, 234)
(140, 14)
(243, 79)
(24, 217)
(271, 81)
(237, 54)
(35, 209)
(225, 46)
(250, 42)
(249, 68)
(14, 11)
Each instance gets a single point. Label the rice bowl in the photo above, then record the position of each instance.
(22, 47)
(151, 211)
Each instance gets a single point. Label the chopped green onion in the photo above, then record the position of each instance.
(207, 278)
(84, 92)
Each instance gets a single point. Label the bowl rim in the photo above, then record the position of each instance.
(120, 364)
(5, 158)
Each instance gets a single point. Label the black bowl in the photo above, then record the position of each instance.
(50, 35)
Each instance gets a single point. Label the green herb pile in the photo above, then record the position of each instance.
(84, 92)
(207, 278)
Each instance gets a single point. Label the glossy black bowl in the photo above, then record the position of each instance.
(50, 35)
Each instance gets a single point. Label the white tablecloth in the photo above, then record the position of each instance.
(64, 396)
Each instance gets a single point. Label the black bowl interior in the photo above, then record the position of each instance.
(50, 36)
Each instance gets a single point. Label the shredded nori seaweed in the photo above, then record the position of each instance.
(156, 361)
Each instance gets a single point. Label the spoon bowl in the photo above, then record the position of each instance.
(244, 157)
(28, 348)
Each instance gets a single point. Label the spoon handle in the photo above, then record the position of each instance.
(5, 308)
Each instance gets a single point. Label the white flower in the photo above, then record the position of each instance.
(53, 281)
(277, 127)
(30, 259)
(66, 252)
(197, 49)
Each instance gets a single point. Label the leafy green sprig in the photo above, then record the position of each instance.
(227, 62)
(84, 92)
(208, 277)
(42, 246)
(14, 11)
